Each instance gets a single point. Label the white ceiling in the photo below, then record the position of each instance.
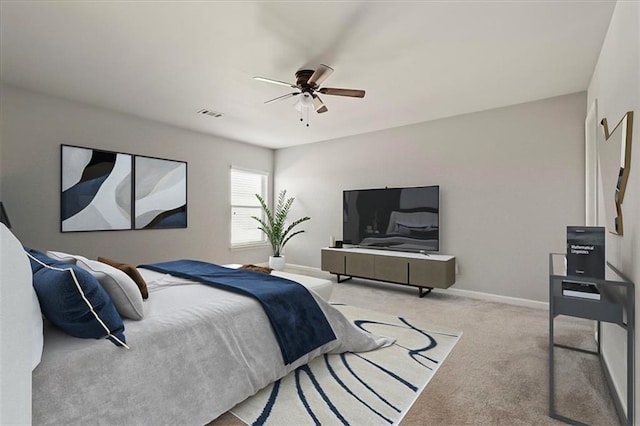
(418, 61)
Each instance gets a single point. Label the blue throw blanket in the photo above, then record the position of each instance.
(298, 322)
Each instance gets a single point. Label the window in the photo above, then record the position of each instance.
(244, 204)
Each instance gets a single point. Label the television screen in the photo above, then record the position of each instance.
(405, 219)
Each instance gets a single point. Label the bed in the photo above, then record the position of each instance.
(197, 352)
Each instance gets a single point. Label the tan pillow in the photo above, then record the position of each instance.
(129, 270)
(257, 268)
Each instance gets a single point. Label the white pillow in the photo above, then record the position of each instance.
(63, 257)
(15, 329)
(36, 331)
(121, 288)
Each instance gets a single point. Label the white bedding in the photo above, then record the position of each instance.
(197, 353)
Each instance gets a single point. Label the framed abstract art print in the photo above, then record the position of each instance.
(160, 193)
(96, 190)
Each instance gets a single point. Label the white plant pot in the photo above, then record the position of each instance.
(276, 263)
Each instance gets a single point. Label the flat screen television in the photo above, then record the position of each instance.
(404, 219)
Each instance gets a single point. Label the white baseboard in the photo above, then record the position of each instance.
(489, 297)
(309, 270)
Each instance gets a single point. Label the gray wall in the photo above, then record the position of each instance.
(33, 128)
(511, 180)
(616, 87)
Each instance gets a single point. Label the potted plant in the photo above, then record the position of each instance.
(275, 228)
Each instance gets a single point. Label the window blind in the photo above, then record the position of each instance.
(244, 204)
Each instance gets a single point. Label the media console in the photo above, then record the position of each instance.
(425, 271)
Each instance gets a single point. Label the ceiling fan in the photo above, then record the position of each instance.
(308, 86)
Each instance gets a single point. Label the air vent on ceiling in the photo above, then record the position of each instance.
(210, 113)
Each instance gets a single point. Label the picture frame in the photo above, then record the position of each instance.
(95, 190)
(614, 165)
(159, 193)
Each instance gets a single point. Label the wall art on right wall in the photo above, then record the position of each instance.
(614, 163)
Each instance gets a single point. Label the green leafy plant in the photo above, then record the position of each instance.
(274, 226)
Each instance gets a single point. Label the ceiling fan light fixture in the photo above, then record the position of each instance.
(306, 100)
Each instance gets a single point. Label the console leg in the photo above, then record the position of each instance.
(343, 280)
(422, 293)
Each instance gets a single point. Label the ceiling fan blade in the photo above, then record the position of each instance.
(319, 75)
(270, 80)
(319, 106)
(288, 95)
(354, 93)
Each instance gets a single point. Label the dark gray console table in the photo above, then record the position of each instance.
(616, 305)
(412, 269)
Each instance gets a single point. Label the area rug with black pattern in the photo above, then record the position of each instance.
(369, 388)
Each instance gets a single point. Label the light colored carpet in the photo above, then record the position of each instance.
(497, 374)
(369, 388)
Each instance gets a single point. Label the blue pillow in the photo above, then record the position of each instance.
(61, 302)
(36, 266)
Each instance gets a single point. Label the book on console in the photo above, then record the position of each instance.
(582, 290)
(586, 251)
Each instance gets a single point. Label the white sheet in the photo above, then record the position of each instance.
(198, 352)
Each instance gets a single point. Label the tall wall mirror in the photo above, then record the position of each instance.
(614, 161)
